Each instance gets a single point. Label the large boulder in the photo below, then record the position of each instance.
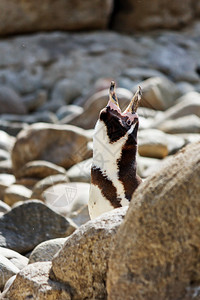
(168, 14)
(63, 145)
(156, 254)
(29, 16)
(31, 223)
(82, 263)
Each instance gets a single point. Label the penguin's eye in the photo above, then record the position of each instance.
(128, 122)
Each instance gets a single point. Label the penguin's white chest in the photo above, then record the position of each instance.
(98, 204)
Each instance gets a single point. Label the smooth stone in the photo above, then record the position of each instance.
(34, 282)
(14, 257)
(144, 163)
(43, 116)
(15, 193)
(157, 144)
(152, 248)
(190, 137)
(5, 181)
(47, 182)
(63, 145)
(6, 141)
(66, 198)
(12, 128)
(158, 93)
(80, 172)
(4, 155)
(68, 110)
(40, 169)
(6, 166)
(83, 260)
(33, 101)
(7, 270)
(28, 182)
(186, 124)
(141, 73)
(10, 101)
(4, 208)
(31, 223)
(66, 90)
(80, 216)
(45, 251)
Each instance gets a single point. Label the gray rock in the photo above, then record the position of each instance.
(83, 260)
(42, 185)
(46, 250)
(31, 223)
(34, 282)
(16, 193)
(34, 101)
(10, 102)
(15, 258)
(68, 110)
(7, 270)
(187, 124)
(66, 91)
(63, 145)
(4, 207)
(141, 73)
(46, 117)
(80, 172)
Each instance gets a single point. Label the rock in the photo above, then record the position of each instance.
(184, 87)
(158, 93)
(34, 101)
(27, 182)
(95, 103)
(66, 90)
(61, 15)
(40, 169)
(5, 181)
(31, 223)
(69, 110)
(4, 155)
(66, 198)
(190, 137)
(141, 73)
(12, 128)
(6, 141)
(15, 193)
(7, 269)
(187, 124)
(6, 166)
(156, 252)
(155, 143)
(15, 258)
(4, 207)
(42, 185)
(80, 172)
(188, 104)
(44, 116)
(145, 163)
(33, 282)
(46, 250)
(82, 262)
(62, 145)
(10, 102)
(172, 15)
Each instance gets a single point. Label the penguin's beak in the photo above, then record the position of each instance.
(113, 102)
(130, 111)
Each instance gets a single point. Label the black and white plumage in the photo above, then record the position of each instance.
(113, 173)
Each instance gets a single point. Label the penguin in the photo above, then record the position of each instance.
(113, 171)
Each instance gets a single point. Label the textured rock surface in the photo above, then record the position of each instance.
(33, 283)
(32, 16)
(7, 270)
(156, 252)
(83, 261)
(159, 14)
(46, 250)
(63, 145)
(31, 223)
(17, 259)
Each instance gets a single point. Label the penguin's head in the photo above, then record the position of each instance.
(120, 124)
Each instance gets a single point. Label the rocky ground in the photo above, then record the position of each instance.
(52, 87)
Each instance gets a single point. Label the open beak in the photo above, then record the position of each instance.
(113, 101)
(133, 106)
